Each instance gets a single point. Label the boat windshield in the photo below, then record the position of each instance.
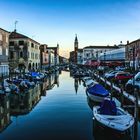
(108, 107)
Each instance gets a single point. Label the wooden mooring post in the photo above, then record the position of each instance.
(122, 97)
(136, 91)
(111, 89)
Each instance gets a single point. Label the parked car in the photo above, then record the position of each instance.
(120, 68)
(122, 77)
(110, 75)
(133, 82)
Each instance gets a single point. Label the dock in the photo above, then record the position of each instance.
(125, 94)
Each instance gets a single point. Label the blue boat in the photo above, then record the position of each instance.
(97, 93)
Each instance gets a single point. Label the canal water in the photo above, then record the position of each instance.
(58, 109)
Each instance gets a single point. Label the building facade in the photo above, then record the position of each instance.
(80, 56)
(72, 57)
(51, 58)
(54, 52)
(113, 55)
(44, 56)
(24, 52)
(4, 47)
(132, 53)
(93, 52)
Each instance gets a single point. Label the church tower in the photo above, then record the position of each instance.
(75, 49)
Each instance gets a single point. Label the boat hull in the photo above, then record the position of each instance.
(96, 98)
(107, 131)
(118, 124)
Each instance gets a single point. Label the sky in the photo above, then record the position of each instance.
(96, 22)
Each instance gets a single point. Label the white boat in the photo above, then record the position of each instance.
(89, 83)
(84, 79)
(117, 120)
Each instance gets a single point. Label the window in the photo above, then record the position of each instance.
(45, 59)
(28, 55)
(36, 47)
(21, 42)
(1, 37)
(87, 55)
(11, 43)
(11, 55)
(32, 45)
(32, 55)
(36, 56)
(7, 51)
(0, 50)
(7, 37)
(21, 54)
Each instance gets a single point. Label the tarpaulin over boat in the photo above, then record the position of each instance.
(34, 74)
(98, 89)
(108, 107)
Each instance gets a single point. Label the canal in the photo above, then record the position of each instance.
(61, 111)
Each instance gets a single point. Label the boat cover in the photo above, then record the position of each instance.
(108, 107)
(34, 74)
(98, 90)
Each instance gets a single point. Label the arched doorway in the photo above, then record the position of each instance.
(33, 67)
(36, 66)
(29, 66)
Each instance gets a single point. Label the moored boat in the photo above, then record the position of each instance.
(112, 118)
(97, 92)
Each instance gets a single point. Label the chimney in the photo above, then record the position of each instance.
(127, 41)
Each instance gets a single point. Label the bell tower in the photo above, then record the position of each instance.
(75, 49)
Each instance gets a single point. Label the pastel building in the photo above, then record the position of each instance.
(4, 47)
(24, 52)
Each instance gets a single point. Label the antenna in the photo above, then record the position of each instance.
(15, 25)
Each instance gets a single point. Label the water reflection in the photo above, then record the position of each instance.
(24, 102)
(54, 116)
(5, 119)
(102, 134)
(52, 80)
(76, 85)
(49, 83)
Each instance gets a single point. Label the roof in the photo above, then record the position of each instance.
(101, 47)
(4, 30)
(52, 48)
(15, 35)
(80, 50)
(76, 40)
(133, 41)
